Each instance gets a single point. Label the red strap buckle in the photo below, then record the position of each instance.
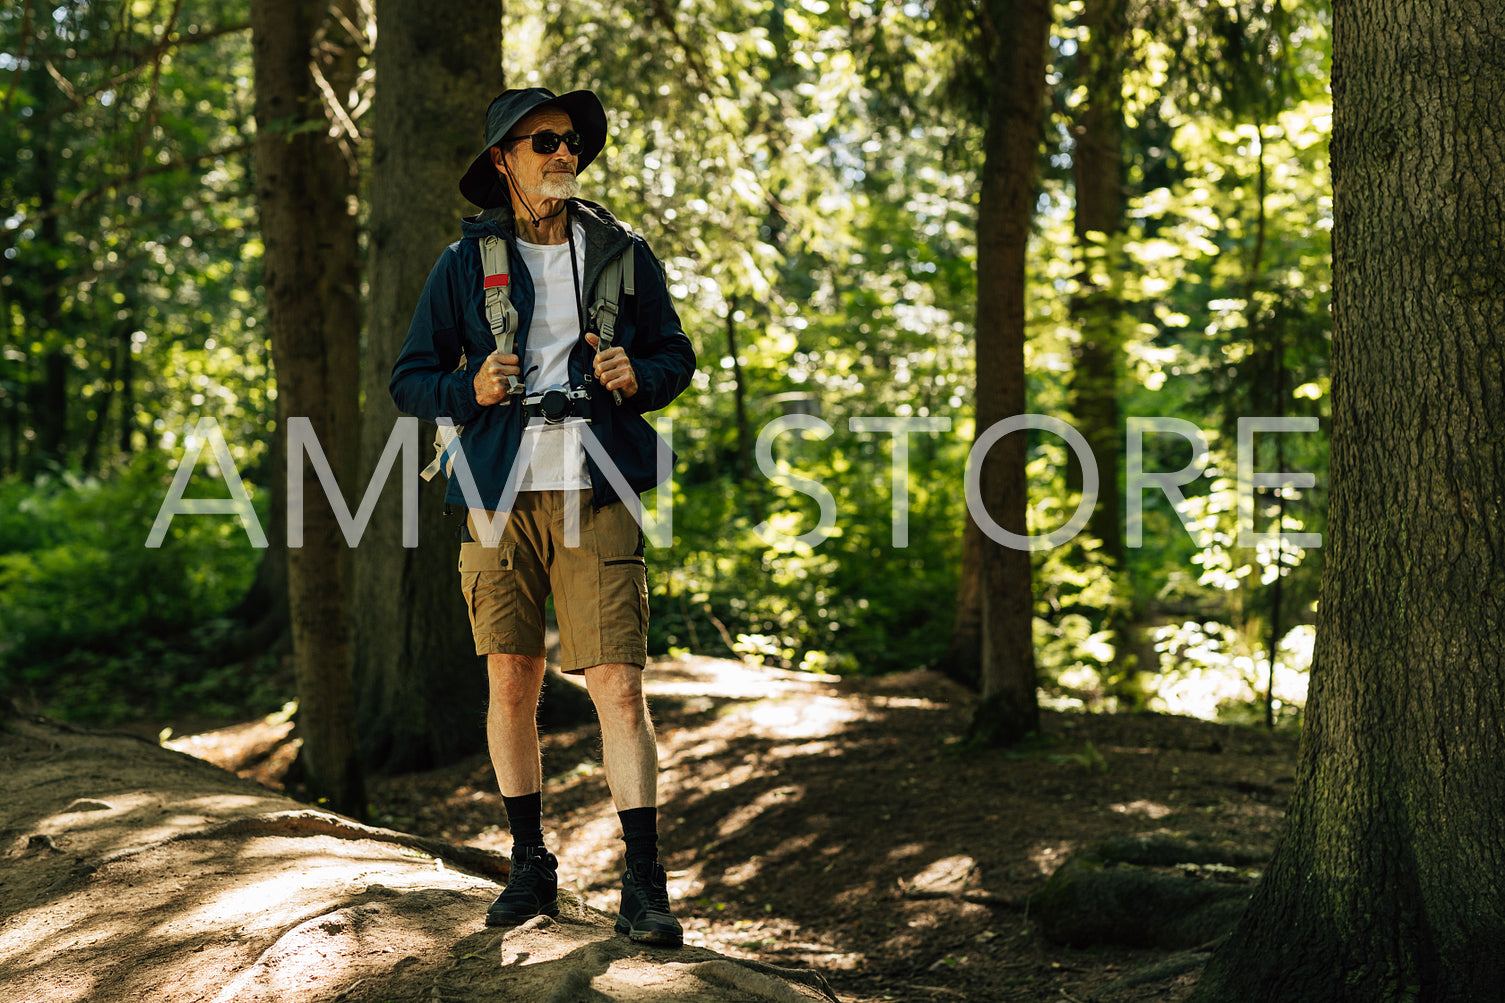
(496, 280)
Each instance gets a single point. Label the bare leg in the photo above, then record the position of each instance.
(627, 740)
(512, 722)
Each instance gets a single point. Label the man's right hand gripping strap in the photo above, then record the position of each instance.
(500, 312)
(502, 316)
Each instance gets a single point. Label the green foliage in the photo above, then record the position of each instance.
(95, 626)
(808, 172)
(128, 296)
(1225, 286)
(851, 602)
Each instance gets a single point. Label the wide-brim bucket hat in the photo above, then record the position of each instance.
(480, 184)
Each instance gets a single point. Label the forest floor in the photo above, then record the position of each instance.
(833, 823)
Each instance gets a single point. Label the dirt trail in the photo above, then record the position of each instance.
(834, 824)
(816, 831)
(134, 872)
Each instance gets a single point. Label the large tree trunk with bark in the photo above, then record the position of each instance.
(1016, 30)
(1387, 884)
(306, 188)
(1097, 164)
(422, 688)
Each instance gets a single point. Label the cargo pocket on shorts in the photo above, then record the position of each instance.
(488, 579)
(624, 607)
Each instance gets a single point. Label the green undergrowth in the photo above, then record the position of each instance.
(96, 627)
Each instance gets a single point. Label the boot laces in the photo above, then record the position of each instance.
(655, 893)
(526, 860)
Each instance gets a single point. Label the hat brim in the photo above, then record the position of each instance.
(480, 183)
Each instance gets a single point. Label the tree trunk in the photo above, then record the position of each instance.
(962, 660)
(1098, 312)
(49, 400)
(128, 395)
(1017, 31)
(305, 188)
(1387, 884)
(1098, 168)
(739, 401)
(422, 688)
(119, 344)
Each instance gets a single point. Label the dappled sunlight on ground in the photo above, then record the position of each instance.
(130, 819)
(811, 821)
(748, 813)
(800, 717)
(907, 850)
(805, 821)
(1147, 809)
(700, 677)
(1048, 856)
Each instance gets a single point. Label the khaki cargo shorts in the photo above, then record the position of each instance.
(600, 587)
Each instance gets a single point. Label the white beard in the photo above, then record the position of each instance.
(559, 185)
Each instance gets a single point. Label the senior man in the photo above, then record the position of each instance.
(553, 440)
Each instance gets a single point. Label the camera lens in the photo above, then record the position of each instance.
(555, 406)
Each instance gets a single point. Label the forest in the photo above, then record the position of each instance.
(813, 194)
(1017, 345)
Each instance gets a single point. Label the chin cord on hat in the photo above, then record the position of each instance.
(533, 216)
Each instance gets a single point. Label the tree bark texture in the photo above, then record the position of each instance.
(306, 192)
(1098, 168)
(49, 388)
(962, 660)
(1388, 884)
(422, 688)
(1016, 32)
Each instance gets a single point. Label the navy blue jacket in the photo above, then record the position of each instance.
(451, 320)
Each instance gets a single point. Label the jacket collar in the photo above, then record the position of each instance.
(605, 238)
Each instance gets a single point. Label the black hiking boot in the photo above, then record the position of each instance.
(532, 888)
(644, 916)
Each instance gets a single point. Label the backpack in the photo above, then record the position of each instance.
(616, 280)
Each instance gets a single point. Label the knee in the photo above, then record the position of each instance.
(617, 690)
(515, 682)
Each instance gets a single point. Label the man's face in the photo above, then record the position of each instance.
(539, 175)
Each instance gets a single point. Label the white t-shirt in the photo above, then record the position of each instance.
(558, 457)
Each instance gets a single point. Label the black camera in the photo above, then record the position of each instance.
(556, 404)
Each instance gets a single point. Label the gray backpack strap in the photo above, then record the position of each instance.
(500, 312)
(502, 315)
(617, 278)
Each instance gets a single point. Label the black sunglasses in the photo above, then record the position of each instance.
(548, 142)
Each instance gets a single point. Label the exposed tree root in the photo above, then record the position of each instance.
(767, 982)
(308, 822)
(1176, 964)
(975, 896)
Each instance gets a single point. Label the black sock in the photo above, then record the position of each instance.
(640, 833)
(525, 819)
